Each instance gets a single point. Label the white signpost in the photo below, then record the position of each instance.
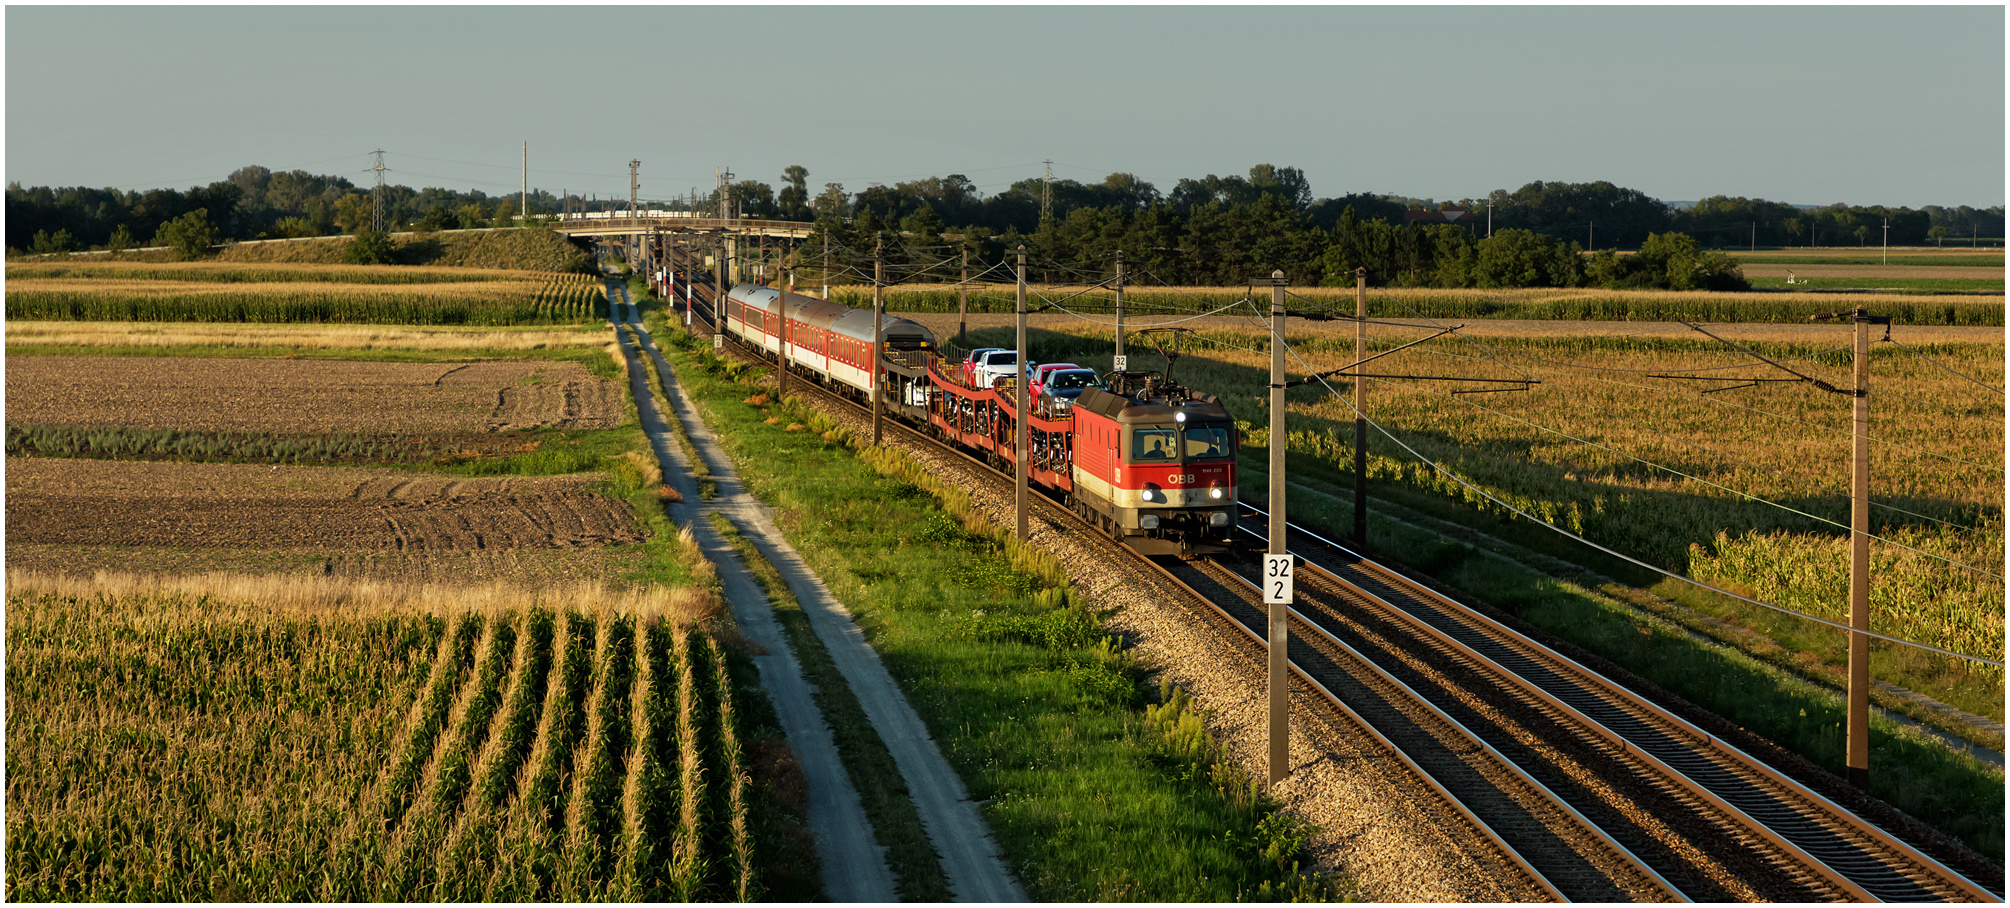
(1120, 363)
(1277, 579)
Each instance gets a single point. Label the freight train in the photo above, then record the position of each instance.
(1149, 462)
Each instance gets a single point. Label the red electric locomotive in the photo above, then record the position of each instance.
(1147, 460)
(1157, 461)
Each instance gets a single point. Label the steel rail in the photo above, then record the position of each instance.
(1555, 800)
(1362, 722)
(1798, 821)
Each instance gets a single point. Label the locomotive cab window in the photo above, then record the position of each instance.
(1205, 442)
(1154, 445)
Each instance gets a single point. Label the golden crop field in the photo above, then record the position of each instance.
(258, 739)
(1566, 304)
(223, 292)
(1742, 487)
(302, 337)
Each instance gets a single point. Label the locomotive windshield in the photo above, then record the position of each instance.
(1164, 445)
(1154, 444)
(1206, 441)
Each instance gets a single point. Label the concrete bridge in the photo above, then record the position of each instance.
(645, 223)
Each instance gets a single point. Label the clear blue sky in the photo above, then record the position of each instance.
(1866, 105)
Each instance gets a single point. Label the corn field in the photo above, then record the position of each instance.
(164, 745)
(1546, 304)
(1655, 468)
(498, 299)
(236, 273)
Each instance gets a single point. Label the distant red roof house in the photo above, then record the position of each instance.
(1443, 216)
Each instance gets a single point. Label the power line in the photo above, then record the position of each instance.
(1628, 558)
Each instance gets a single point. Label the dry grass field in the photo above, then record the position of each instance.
(307, 396)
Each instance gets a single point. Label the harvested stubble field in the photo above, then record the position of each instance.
(233, 739)
(308, 396)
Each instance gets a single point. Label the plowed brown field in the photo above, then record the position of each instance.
(307, 396)
(138, 503)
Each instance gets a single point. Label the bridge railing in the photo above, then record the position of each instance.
(641, 222)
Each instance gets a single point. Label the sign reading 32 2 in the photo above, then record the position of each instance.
(1277, 579)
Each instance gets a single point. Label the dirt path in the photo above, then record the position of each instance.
(854, 865)
(970, 857)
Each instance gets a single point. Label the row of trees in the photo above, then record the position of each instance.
(1211, 230)
(254, 203)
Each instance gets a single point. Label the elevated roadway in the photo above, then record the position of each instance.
(645, 223)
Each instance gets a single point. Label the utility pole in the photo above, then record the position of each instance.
(782, 325)
(720, 287)
(1360, 407)
(1490, 218)
(878, 333)
(1886, 258)
(827, 266)
(1858, 761)
(1120, 309)
(1047, 195)
(377, 193)
(525, 195)
(963, 299)
(632, 185)
(1021, 437)
(1590, 230)
(1755, 236)
(1280, 703)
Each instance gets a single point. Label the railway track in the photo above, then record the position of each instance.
(1593, 792)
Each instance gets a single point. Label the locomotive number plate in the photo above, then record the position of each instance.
(1277, 579)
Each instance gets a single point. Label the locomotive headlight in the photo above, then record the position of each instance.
(1149, 521)
(1218, 518)
(1214, 492)
(1180, 416)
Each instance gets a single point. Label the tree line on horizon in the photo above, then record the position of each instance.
(1212, 230)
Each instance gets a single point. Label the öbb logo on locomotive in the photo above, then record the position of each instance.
(1150, 462)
